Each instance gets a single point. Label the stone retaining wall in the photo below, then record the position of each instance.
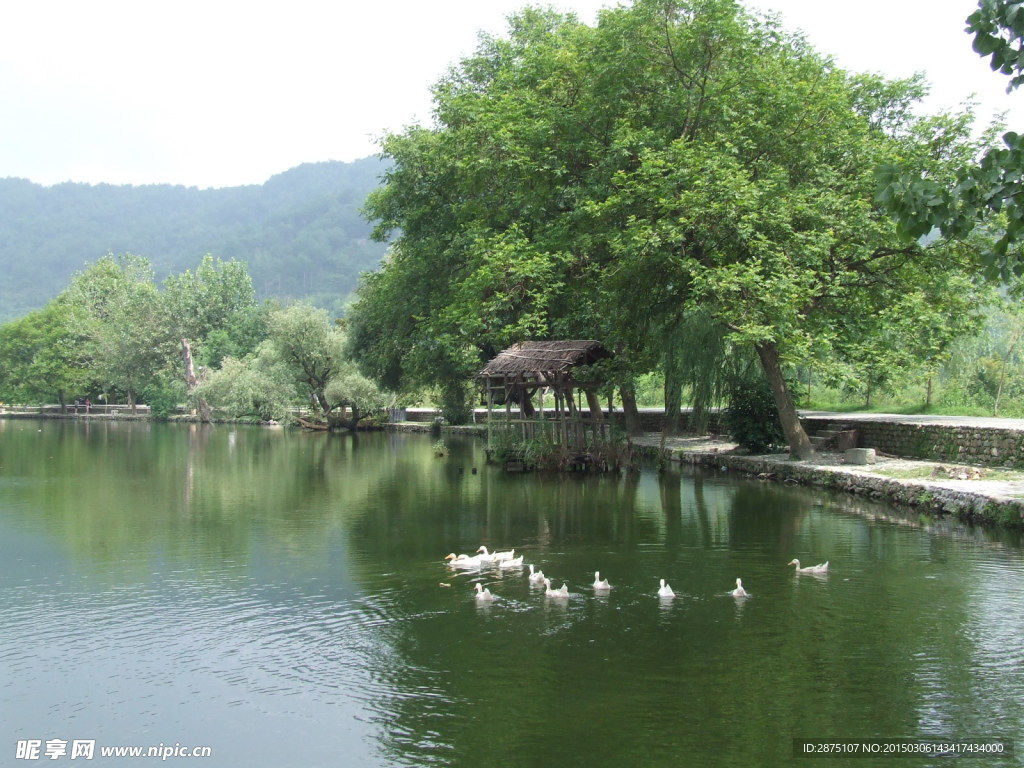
(934, 442)
(965, 505)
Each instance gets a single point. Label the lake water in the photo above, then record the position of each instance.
(281, 598)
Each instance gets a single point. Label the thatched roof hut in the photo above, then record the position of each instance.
(545, 361)
(519, 371)
(531, 367)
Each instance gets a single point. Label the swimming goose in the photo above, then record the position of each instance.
(599, 584)
(665, 590)
(483, 595)
(494, 557)
(536, 577)
(563, 591)
(739, 591)
(516, 562)
(819, 568)
(463, 561)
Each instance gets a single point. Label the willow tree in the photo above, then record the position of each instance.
(303, 342)
(607, 181)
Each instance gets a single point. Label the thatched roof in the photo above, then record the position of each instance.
(545, 358)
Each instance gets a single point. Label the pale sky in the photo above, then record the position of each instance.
(215, 93)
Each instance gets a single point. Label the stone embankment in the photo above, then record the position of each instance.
(971, 468)
(986, 496)
(987, 442)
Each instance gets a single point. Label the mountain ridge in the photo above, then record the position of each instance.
(300, 232)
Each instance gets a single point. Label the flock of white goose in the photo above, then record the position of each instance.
(507, 560)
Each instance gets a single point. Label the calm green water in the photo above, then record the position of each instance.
(281, 598)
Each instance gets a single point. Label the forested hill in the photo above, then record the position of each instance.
(301, 232)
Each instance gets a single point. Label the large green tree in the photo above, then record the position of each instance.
(302, 340)
(41, 357)
(214, 306)
(603, 182)
(115, 308)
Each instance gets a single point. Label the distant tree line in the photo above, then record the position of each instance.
(201, 338)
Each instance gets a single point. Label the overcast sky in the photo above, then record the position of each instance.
(214, 93)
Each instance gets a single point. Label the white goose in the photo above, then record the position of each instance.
(739, 591)
(562, 592)
(516, 562)
(483, 595)
(463, 561)
(665, 590)
(819, 568)
(495, 557)
(536, 577)
(601, 585)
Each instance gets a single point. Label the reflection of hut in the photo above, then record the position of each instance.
(524, 373)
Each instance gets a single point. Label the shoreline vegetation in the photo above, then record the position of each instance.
(989, 497)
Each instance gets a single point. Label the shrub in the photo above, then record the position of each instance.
(455, 403)
(752, 418)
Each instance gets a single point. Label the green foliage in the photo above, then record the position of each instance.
(248, 388)
(752, 418)
(998, 28)
(353, 390)
(314, 351)
(42, 358)
(163, 396)
(114, 306)
(986, 192)
(455, 402)
(303, 340)
(609, 182)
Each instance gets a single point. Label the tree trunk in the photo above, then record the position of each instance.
(1002, 377)
(673, 404)
(63, 400)
(673, 388)
(928, 395)
(594, 403)
(629, 410)
(799, 445)
(325, 407)
(205, 412)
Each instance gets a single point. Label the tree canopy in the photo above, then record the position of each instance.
(609, 182)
